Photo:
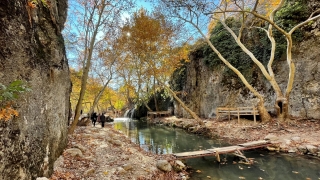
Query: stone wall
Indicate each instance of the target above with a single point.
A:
(206, 89)
(32, 49)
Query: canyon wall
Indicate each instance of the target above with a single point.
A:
(32, 50)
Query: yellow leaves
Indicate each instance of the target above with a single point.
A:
(7, 112)
(230, 8)
(267, 6)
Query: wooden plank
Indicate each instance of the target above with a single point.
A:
(238, 116)
(254, 116)
(254, 143)
(235, 112)
(223, 150)
(193, 153)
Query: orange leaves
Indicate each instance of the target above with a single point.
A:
(8, 94)
(7, 112)
(32, 4)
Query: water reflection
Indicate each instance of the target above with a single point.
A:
(273, 166)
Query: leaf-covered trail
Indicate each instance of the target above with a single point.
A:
(96, 153)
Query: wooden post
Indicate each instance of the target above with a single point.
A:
(218, 156)
(238, 116)
(217, 113)
(254, 114)
(229, 117)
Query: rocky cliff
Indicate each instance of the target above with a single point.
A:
(207, 89)
(32, 50)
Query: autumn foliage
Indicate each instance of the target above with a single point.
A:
(7, 112)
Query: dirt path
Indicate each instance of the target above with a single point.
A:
(96, 153)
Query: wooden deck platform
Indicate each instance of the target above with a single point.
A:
(154, 114)
(237, 112)
(223, 150)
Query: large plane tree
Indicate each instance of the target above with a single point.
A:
(197, 12)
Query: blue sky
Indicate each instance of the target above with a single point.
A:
(146, 5)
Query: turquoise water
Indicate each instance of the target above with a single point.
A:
(269, 166)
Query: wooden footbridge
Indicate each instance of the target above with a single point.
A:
(236, 150)
(154, 114)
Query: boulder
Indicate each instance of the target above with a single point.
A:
(58, 163)
(179, 166)
(271, 137)
(74, 152)
(79, 146)
(164, 165)
(312, 149)
(302, 149)
(89, 172)
(42, 178)
(117, 142)
(120, 170)
(296, 139)
(292, 150)
(127, 167)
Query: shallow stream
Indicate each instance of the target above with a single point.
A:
(268, 165)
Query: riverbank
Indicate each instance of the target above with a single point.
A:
(296, 136)
(106, 154)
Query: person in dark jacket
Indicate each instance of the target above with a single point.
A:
(102, 119)
(94, 118)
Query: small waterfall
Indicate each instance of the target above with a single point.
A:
(129, 113)
(132, 113)
(128, 116)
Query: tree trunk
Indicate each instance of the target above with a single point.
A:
(80, 100)
(281, 107)
(149, 109)
(263, 112)
(193, 114)
(154, 95)
(98, 96)
(88, 58)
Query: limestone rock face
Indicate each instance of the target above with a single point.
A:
(32, 50)
(206, 89)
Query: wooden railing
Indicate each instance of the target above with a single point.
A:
(237, 111)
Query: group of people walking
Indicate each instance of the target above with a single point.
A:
(99, 117)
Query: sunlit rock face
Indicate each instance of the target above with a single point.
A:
(32, 50)
(206, 89)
